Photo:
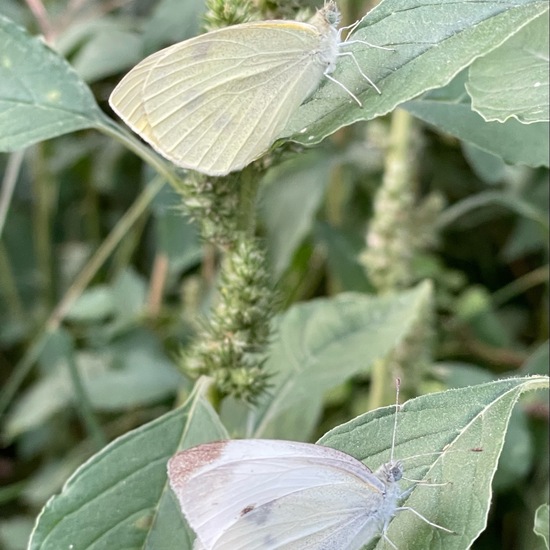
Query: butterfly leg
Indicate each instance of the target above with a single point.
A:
(350, 54)
(431, 523)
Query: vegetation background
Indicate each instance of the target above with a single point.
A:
(413, 243)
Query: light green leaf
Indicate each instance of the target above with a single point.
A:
(486, 166)
(100, 47)
(129, 295)
(177, 236)
(449, 110)
(14, 532)
(456, 437)
(133, 371)
(41, 96)
(92, 305)
(541, 522)
(288, 200)
(137, 374)
(431, 41)
(119, 498)
(321, 344)
(172, 21)
(342, 249)
(493, 198)
(539, 361)
(513, 80)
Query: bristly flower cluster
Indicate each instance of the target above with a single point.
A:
(212, 203)
(221, 13)
(230, 346)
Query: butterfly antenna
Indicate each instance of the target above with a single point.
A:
(397, 386)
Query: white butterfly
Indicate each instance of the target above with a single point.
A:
(259, 494)
(216, 102)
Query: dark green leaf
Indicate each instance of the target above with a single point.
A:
(456, 437)
(41, 96)
(512, 81)
(322, 343)
(432, 42)
(119, 499)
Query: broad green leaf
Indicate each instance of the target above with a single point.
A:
(14, 532)
(41, 96)
(119, 499)
(129, 295)
(172, 21)
(495, 198)
(319, 345)
(176, 235)
(93, 305)
(342, 250)
(486, 166)
(431, 42)
(518, 454)
(519, 451)
(513, 80)
(449, 110)
(289, 199)
(539, 361)
(100, 47)
(16, 11)
(132, 371)
(541, 522)
(453, 438)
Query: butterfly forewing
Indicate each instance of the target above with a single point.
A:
(217, 103)
(127, 97)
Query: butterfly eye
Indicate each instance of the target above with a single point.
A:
(392, 471)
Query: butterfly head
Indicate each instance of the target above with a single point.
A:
(327, 17)
(391, 472)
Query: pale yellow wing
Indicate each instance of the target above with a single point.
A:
(218, 101)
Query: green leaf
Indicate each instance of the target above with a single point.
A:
(177, 236)
(539, 361)
(541, 522)
(342, 249)
(41, 96)
(289, 199)
(514, 203)
(172, 21)
(486, 166)
(319, 345)
(119, 498)
(449, 110)
(133, 371)
(453, 438)
(513, 80)
(93, 305)
(431, 41)
(103, 47)
(14, 532)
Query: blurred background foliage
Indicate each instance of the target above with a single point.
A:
(330, 219)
